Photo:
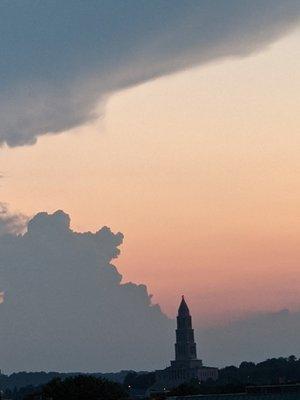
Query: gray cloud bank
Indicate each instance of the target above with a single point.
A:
(65, 307)
(11, 223)
(255, 338)
(59, 59)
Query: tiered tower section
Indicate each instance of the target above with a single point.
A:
(185, 347)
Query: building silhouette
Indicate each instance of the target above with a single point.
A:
(186, 365)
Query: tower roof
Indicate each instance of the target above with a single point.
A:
(183, 308)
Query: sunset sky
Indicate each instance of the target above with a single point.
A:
(199, 170)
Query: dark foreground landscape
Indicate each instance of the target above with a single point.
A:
(266, 379)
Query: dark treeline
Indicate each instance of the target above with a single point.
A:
(21, 379)
(140, 380)
(232, 379)
(272, 371)
(80, 387)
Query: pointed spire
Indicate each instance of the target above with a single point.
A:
(183, 309)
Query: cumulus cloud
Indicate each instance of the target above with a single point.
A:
(11, 223)
(65, 307)
(59, 59)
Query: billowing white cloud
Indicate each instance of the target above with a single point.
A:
(59, 59)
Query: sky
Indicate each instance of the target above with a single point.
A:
(192, 153)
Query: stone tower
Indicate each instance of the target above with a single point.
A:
(185, 347)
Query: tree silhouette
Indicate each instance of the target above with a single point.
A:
(81, 387)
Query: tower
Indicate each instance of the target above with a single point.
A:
(185, 347)
(186, 365)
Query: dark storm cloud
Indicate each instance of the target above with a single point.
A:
(65, 307)
(59, 59)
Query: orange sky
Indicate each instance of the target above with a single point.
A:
(199, 170)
